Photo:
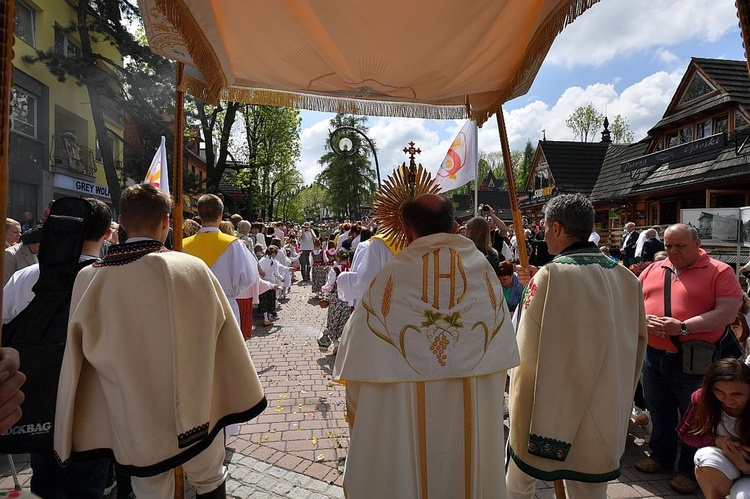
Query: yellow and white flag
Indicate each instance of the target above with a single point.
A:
(158, 174)
(460, 164)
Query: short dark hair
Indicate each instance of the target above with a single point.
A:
(574, 212)
(210, 207)
(426, 217)
(506, 268)
(143, 206)
(101, 220)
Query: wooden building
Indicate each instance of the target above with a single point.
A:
(696, 156)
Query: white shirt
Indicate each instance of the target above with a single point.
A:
(305, 237)
(595, 238)
(236, 269)
(353, 284)
(341, 239)
(17, 293)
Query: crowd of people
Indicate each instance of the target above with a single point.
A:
(424, 391)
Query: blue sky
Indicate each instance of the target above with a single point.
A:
(625, 57)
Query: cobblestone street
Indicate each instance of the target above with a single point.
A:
(297, 447)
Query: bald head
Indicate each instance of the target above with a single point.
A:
(682, 245)
(427, 214)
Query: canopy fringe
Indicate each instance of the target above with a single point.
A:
(201, 53)
(325, 104)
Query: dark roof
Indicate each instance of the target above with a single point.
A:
(575, 166)
(727, 165)
(613, 185)
(732, 79)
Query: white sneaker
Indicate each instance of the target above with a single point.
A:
(648, 427)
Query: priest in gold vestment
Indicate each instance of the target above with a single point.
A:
(424, 359)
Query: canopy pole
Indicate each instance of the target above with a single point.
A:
(7, 13)
(177, 159)
(523, 258)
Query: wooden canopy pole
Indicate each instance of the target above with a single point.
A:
(177, 156)
(523, 258)
(177, 159)
(515, 209)
(7, 13)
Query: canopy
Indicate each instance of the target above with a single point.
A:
(434, 59)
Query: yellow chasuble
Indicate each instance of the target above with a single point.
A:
(208, 246)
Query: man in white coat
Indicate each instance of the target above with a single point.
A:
(582, 338)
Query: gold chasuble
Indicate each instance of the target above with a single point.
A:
(424, 358)
(208, 246)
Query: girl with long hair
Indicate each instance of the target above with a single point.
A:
(718, 423)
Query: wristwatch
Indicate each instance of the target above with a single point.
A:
(683, 329)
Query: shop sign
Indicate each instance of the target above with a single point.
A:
(681, 155)
(82, 186)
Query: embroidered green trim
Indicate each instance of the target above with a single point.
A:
(551, 476)
(548, 448)
(587, 258)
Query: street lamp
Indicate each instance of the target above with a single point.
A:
(344, 147)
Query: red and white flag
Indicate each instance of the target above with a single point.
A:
(158, 174)
(460, 164)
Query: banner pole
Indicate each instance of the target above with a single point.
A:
(515, 209)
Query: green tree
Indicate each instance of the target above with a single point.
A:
(216, 126)
(311, 201)
(585, 122)
(349, 180)
(271, 151)
(524, 168)
(621, 132)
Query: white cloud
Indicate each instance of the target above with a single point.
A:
(614, 29)
(643, 103)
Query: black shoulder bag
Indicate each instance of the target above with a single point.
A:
(39, 332)
(697, 355)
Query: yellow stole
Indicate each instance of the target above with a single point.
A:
(208, 246)
(390, 242)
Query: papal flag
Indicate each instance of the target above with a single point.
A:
(460, 164)
(157, 174)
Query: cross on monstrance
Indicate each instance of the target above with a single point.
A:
(411, 151)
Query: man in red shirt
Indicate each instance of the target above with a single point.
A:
(705, 297)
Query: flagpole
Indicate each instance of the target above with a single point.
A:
(475, 148)
(177, 155)
(515, 209)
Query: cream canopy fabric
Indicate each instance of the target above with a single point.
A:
(409, 58)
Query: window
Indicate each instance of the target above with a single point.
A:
(25, 22)
(23, 116)
(703, 129)
(686, 135)
(740, 121)
(721, 124)
(698, 88)
(65, 45)
(111, 141)
(672, 140)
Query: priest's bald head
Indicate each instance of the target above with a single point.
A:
(427, 214)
